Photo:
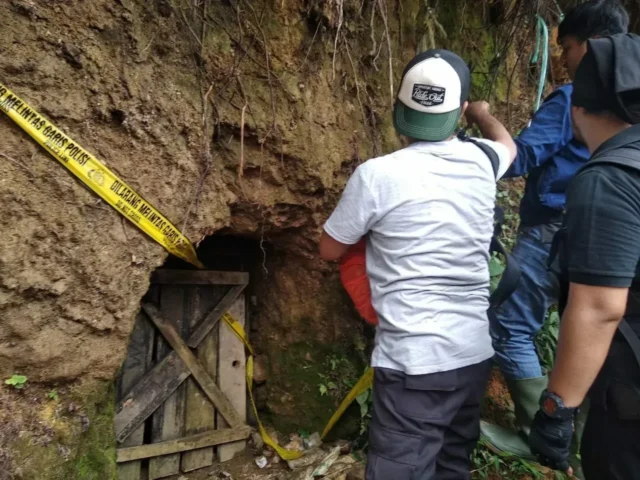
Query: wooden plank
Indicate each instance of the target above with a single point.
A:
(200, 412)
(149, 394)
(137, 362)
(231, 376)
(168, 421)
(202, 377)
(208, 323)
(199, 277)
(169, 447)
(164, 379)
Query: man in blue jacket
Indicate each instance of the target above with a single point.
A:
(550, 154)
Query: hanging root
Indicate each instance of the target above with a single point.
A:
(383, 13)
(340, 5)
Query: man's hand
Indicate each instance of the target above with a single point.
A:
(550, 440)
(477, 113)
(477, 110)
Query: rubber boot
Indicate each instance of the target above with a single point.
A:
(525, 394)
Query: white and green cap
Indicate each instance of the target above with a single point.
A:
(434, 86)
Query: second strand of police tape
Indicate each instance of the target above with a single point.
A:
(365, 382)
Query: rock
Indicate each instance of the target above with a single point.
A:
(262, 462)
(73, 55)
(267, 452)
(260, 369)
(346, 448)
(296, 443)
(273, 434)
(356, 473)
(258, 443)
(309, 458)
(276, 459)
(313, 441)
(322, 469)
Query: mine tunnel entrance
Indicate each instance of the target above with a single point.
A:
(181, 393)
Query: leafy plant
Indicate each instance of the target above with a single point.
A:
(364, 400)
(53, 395)
(488, 465)
(16, 381)
(338, 378)
(547, 340)
(496, 268)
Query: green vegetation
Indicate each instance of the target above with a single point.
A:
(16, 381)
(547, 340)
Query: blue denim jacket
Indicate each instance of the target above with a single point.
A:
(549, 153)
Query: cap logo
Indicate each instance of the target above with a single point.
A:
(428, 95)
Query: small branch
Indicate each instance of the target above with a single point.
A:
(355, 75)
(309, 50)
(124, 228)
(335, 42)
(274, 126)
(244, 108)
(150, 42)
(383, 14)
(373, 32)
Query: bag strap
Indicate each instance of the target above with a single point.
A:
(510, 276)
(616, 158)
(486, 149)
(631, 337)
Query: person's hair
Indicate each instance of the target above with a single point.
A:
(594, 18)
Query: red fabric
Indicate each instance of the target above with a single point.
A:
(353, 274)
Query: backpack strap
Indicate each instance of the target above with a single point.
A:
(511, 274)
(486, 149)
(631, 337)
(619, 158)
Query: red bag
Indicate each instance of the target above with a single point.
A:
(353, 274)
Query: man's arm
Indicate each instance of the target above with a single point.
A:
(603, 227)
(478, 113)
(352, 218)
(549, 132)
(588, 324)
(331, 249)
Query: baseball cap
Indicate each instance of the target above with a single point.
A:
(434, 86)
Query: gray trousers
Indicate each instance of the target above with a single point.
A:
(425, 427)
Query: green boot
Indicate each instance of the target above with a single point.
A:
(526, 396)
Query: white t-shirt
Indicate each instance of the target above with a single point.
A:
(427, 212)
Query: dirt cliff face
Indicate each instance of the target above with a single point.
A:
(239, 117)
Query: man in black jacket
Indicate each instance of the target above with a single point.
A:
(599, 349)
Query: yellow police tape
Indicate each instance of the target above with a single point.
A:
(97, 177)
(365, 382)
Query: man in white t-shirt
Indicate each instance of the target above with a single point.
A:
(427, 214)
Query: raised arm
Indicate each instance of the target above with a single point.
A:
(549, 132)
(477, 113)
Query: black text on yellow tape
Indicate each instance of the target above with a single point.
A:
(97, 177)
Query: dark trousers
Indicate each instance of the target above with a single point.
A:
(425, 427)
(611, 440)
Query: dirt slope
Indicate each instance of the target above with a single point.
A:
(238, 117)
